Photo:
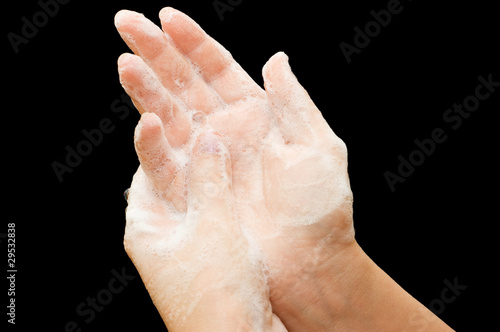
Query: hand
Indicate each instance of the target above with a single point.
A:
(289, 168)
(196, 264)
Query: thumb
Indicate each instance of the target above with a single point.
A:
(297, 116)
(210, 178)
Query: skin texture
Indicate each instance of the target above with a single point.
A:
(282, 206)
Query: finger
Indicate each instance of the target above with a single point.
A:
(172, 69)
(154, 152)
(299, 119)
(143, 87)
(209, 182)
(217, 65)
(149, 95)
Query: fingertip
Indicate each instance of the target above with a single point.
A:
(125, 69)
(149, 130)
(119, 17)
(275, 63)
(122, 59)
(185, 32)
(132, 69)
(152, 122)
(125, 61)
(290, 102)
(150, 118)
(122, 16)
(166, 14)
(280, 56)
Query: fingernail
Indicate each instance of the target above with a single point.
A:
(125, 194)
(199, 117)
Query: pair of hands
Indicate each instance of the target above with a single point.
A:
(241, 209)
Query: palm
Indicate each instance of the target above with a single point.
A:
(289, 169)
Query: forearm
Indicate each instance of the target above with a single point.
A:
(378, 303)
(354, 294)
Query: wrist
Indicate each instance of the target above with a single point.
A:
(324, 292)
(222, 306)
(351, 293)
(220, 312)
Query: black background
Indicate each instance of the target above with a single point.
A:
(439, 224)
